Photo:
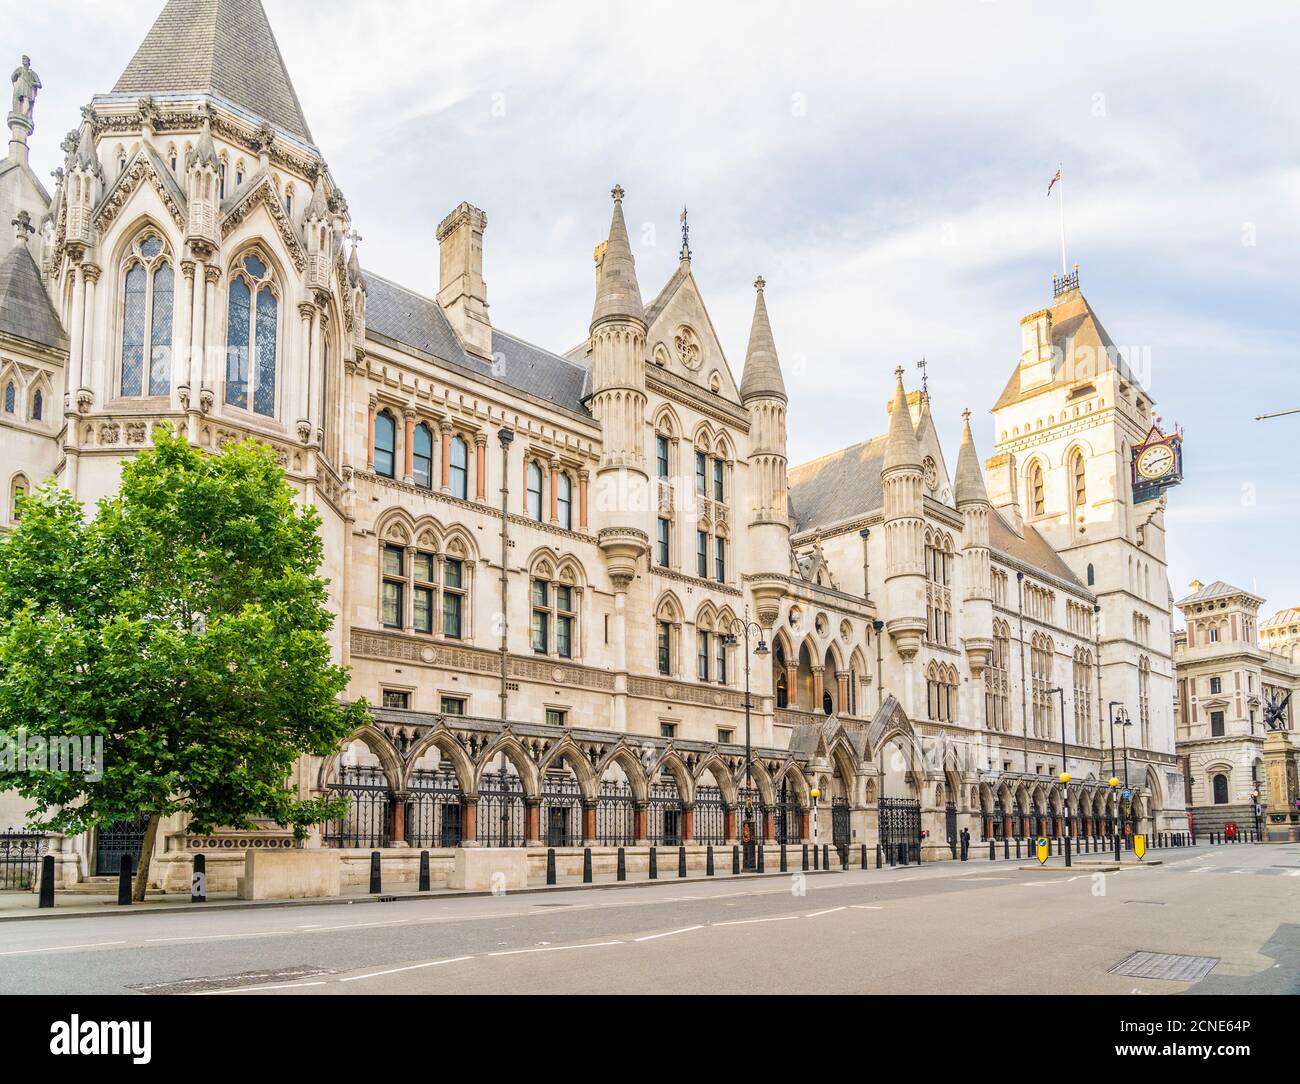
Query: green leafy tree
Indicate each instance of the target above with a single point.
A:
(185, 624)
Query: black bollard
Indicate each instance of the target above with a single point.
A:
(760, 849)
(816, 858)
(805, 858)
(1067, 850)
(783, 865)
(199, 880)
(47, 881)
(878, 855)
(550, 865)
(124, 882)
(864, 856)
(681, 861)
(654, 864)
(1006, 847)
(376, 879)
(586, 865)
(708, 861)
(1049, 847)
(902, 854)
(844, 856)
(424, 871)
(621, 875)
(993, 849)
(1017, 849)
(735, 860)
(826, 856)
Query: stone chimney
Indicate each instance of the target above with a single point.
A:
(1000, 482)
(462, 293)
(1036, 349)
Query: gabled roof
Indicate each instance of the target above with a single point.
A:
(1082, 346)
(1282, 618)
(1216, 590)
(412, 320)
(25, 309)
(220, 47)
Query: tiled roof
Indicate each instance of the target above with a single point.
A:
(219, 47)
(1029, 548)
(1217, 589)
(837, 487)
(25, 309)
(418, 322)
(1282, 618)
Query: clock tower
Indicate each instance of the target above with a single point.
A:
(1079, 460)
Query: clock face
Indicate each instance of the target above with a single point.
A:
(1156, 461)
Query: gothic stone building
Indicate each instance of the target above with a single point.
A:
(1229, 664)
(543, 564)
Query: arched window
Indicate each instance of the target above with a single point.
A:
(1092, 576)
(252, 332)
(1036, 499)
(779, 677)
(1220, 789)
(534, 491)
(458, 471)
(17, 490)
(564, 501)
(385, 443)
(147, 291)
(11, 398)
(38, 405)
(421, 455)
(1079, 483)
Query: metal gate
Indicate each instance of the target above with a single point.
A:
(710, 818)
(112, 841)
(433, 808)
(789, 823)
(562, 810)
(502, 819)
(369, 817)
(665, 814)
(615, 814)
(840, 825)
(900, 827)
(20, 856)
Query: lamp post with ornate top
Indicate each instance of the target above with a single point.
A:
(741, 629)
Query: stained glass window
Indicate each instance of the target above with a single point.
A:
(264, 392)
(160, 339)
(11, 398)
(252, 334)
(133, 329)
(38, 406)
(237, 343)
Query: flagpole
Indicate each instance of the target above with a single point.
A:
(1060, 185)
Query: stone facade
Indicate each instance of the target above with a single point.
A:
(1229, 665)
(547, 568)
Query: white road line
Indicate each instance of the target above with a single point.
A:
(408, 967)
(828, 911)
(667, 933)
(865, 907)
(1291, 873)
(218, 936)
(1053, 881)
(255, 989)
(60, 948)
(363, 925)
(748, 921)
(554, 948)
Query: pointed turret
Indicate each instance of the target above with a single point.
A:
(85, 180)
(203, 192)
(762, 376)
(318, 233)
(901, 448)
(969, 487)
(618, 296)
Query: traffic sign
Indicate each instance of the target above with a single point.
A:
(1040, 847)
(1140, 845)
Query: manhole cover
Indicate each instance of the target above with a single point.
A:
(230, 982)
(1165, 965)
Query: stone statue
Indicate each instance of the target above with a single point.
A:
(1275, 711)
(26, 83)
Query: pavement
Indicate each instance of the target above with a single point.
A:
(975, 927)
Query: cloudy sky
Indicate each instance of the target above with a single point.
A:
(882, 165)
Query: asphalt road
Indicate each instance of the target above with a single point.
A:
(978, 927)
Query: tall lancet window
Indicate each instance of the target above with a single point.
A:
(148, 287)
(1078, 483)
(252, 337)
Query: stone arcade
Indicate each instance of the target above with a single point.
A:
(196, 265)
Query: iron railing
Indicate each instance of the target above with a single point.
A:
(20, 857)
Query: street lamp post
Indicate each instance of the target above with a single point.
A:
(741, 628)
(1064, 776)
(1114, 778)
(1254, 805)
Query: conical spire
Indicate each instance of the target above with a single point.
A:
(617, 292)
(970, 479)
(318, 208)
(205, 151)
(901, 449)
(86, 158)
(223, 48)
(762, 377)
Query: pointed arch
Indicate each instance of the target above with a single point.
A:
(721, 775)
(508, 745)
(452, 751)
(628, 758)
(671, 761)
(576, 761)
(790, 772)
(377, 742)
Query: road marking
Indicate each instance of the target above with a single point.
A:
(218, 936)
(865, 907)
(60, 948)
(667, 933)
(828, 911)
(554, 948)
(408, 967)
(1053, 881)
(1291, 873)
(363, 925)
(254, 989)
(748, 921)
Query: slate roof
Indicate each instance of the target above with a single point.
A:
(1083, 348)
(1282, 618)
(25, 309)
(418, 322)
(1216, 590)
(219, 47)
(846, 483)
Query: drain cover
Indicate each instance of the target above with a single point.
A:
(1165, 965)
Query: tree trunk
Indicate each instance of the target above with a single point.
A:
(146, 853)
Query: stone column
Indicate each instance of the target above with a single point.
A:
(398, 837)
(729, 823)
(641, 826)
(316, 374)
(180, 329)
(480, 466)
(307, 318)
(819, 687)
(588, 822)
(582, 499)
(469, 822)
(555, 485)
(533, 822)
(77, 319)
(198, 310)
(842, 700)
(90, 273)
(803, 824)
(409, 457)
(688, 822)
(370, 432)
(445, 426)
